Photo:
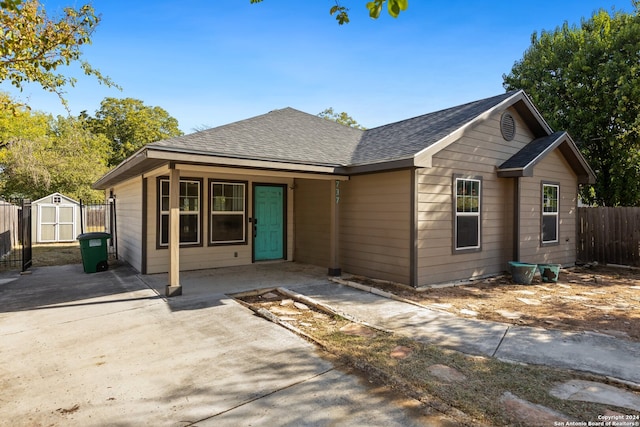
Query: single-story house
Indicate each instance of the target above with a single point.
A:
(55, 218)
(447, 196)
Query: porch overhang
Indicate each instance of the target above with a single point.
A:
(150, 158)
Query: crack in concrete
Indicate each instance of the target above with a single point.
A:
(501, 340)
(246, 402)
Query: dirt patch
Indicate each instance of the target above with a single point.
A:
(294, 313)
(66, 411)
(600, 299)
(56, 254)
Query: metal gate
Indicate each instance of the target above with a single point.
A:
(15, 234)
(101, 217)
(26, 235)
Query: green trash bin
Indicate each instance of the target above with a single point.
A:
(93, 248)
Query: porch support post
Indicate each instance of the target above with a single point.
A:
(174, 288)
(413, 228)
(334, 226)
(516, 218)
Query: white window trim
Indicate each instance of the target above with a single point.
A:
(242, 213)
(468, 214)
(163, 213)
(556, 213)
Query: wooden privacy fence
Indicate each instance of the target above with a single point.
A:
(9, 227)
(609, 235)
(15, 234)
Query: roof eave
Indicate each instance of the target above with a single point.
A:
(387, 165)
(231, 157)
(515, 172)
(584, 178)
(152, 157)
(56, 193)
(531, 115)
(519, 100)
(579, 164)
(186, 156)
(569, 151)
(127, 169)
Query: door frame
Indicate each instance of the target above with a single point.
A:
(285, 223)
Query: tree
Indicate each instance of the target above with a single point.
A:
(81, 159)
(586, 80)
(34, 46)
(394, 7)
(342, 118)
(41, 155)
(20, 132)
(18, 121)
(129, 125)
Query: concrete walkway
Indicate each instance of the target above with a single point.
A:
(582, 351)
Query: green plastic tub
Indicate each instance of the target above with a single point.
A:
(522, 272)
(549, 272)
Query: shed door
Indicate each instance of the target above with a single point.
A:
(268, 222)
(57, 223)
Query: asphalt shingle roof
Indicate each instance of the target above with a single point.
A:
(405, 138)
(531, 151)
(286, 135)
(289, 135)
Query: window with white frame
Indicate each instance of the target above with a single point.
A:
(550, 211)
(467, 213)
(228, 213)
(189, 211)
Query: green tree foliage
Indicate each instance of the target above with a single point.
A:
(82, 158)
(342, 118)
(34, 46)
(41, 155)
(394, 7)
(129, 125)
(586, 79)
(17, 121)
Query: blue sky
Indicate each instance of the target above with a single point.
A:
(211, 62)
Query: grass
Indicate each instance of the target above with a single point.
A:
(56, 254)
(44, 255)
(478, 395)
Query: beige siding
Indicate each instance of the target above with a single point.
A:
(203, 257)
(312, 221)
(552, 169)
(375, 225)
(129, 221)
(476, 154)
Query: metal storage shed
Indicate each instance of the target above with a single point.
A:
(56, 218)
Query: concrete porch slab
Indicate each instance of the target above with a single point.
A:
(230, 280)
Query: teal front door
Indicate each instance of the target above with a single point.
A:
(268, 222)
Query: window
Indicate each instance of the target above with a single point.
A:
(227, 212)
(189, 211)
(467, 213)
(550, 213)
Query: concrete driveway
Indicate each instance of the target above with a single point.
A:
(106, 349)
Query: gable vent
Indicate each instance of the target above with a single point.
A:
(508, 126)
